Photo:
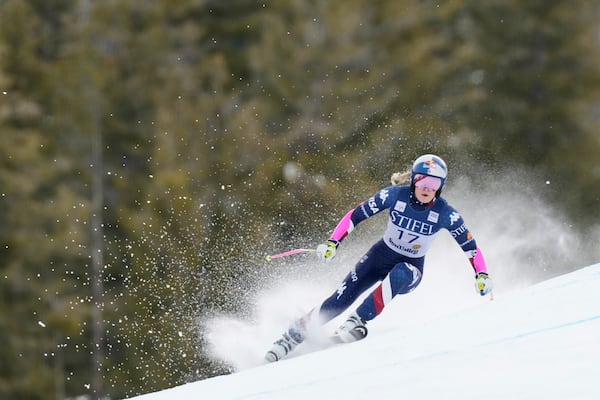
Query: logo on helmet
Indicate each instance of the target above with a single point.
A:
(432, 166)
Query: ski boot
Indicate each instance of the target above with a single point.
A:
(288, 342)
(352, 330)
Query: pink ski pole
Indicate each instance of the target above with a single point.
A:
(289, 253)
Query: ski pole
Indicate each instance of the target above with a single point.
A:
(289, 253)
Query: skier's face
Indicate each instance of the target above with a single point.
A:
(424, 194)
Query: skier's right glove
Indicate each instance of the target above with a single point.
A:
(326, 252)
(483, 283)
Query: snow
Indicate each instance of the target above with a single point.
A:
(535, 342)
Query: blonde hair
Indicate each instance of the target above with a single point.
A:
(400, 178)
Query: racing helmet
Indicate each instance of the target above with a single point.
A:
(429, 165)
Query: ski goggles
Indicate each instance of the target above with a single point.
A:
(427, 182)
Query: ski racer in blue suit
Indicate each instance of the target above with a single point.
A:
(416, 214)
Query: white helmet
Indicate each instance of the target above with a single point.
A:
(430, 165)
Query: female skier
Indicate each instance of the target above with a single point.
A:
(416, 214)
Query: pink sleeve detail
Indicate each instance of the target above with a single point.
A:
(343, 228)
(479, 262)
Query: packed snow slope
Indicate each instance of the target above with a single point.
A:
(538, 342)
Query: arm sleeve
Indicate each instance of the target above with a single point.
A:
(343, 228)
(478, 261)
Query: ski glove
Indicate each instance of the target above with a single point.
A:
(326, 252)
(483, 283)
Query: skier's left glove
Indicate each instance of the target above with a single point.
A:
(483, 283)
(326, 251)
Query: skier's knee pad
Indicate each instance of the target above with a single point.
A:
(404, 277)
